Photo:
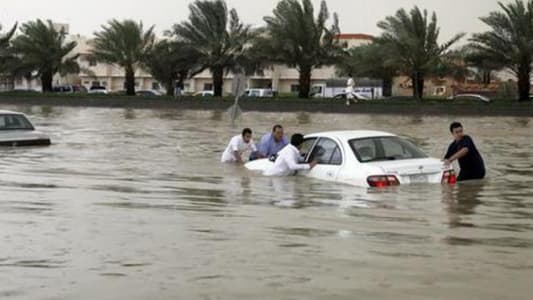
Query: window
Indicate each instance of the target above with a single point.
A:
(385, 148)
(327, 152)
(208, 86)
(95, 83)
(155, 86)
(86, 82)
(14, 122)
(104, 83)
(307, 146)
(295, 88)
(136, 84)
(92, 62)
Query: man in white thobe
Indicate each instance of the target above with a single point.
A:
(349, 90)
(288, 161)
(238, 146)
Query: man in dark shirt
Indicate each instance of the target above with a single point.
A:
(464, 150)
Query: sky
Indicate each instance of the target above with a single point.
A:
(356, 16)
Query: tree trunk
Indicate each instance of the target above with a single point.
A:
(418, 85)
(305, 82)
(130, 81)
(218, 81)
(487, 74)
(387, 87)
(524, 83)
(46, 81)
(170, 86)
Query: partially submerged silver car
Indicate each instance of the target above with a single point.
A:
(17, 131)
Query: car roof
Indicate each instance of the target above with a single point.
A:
(8, 112)
(351, 134)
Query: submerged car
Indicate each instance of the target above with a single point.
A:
(16, 130)
(367, 159)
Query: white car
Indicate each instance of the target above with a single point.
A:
(470, 96)
(357, 96)
(17, 130)
(259, 93)
(98, 90)
(148, 93)
(204, 94)
(367, 159)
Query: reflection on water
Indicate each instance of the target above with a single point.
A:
(135, 203)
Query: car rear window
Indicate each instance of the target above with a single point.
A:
(14, 122)
(384, 149)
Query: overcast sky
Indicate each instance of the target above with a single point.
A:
(356, 16)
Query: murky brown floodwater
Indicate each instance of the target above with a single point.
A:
(133, 204)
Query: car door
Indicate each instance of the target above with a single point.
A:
(328, 154)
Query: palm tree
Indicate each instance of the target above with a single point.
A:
(125, 44)
(510, 41)
(5, 39)
(42, 50)
(169, 61)
(4, 49)
(411, 40)
(294, 37)
(217, 35)
(369, 61)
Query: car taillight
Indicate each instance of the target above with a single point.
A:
(382, 181)
(449, 177)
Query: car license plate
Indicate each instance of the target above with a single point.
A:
(419, 178)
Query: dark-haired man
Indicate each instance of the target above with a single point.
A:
(272, 143)
(237, 146)
(465, 151)
(288, 161)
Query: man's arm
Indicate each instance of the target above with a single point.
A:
(295, 166)
(464, 146)
(460, 154)
(238, 157)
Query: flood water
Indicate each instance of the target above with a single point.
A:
(133, 204)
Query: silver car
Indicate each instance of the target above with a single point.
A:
(16, 130)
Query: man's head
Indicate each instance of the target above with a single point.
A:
(247, 135)
(456, 129)
(277, 133)
(297, 140)
(350, 75)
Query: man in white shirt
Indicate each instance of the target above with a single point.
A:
(238, 146)
(349, 90)
(288, 161)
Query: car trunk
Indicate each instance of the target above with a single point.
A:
(413, 170)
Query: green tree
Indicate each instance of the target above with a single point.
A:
(293, 36)
(5, 56)
(218, 36)
(125, 44)
(43, 51)
(4, 41)
(369, 61)
(411, 40)
(170, 62)
(510, 41)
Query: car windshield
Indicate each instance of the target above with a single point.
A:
(14, 122)
(384, 149)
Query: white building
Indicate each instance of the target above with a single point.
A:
(278, 77)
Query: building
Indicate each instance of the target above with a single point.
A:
(281, 78)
